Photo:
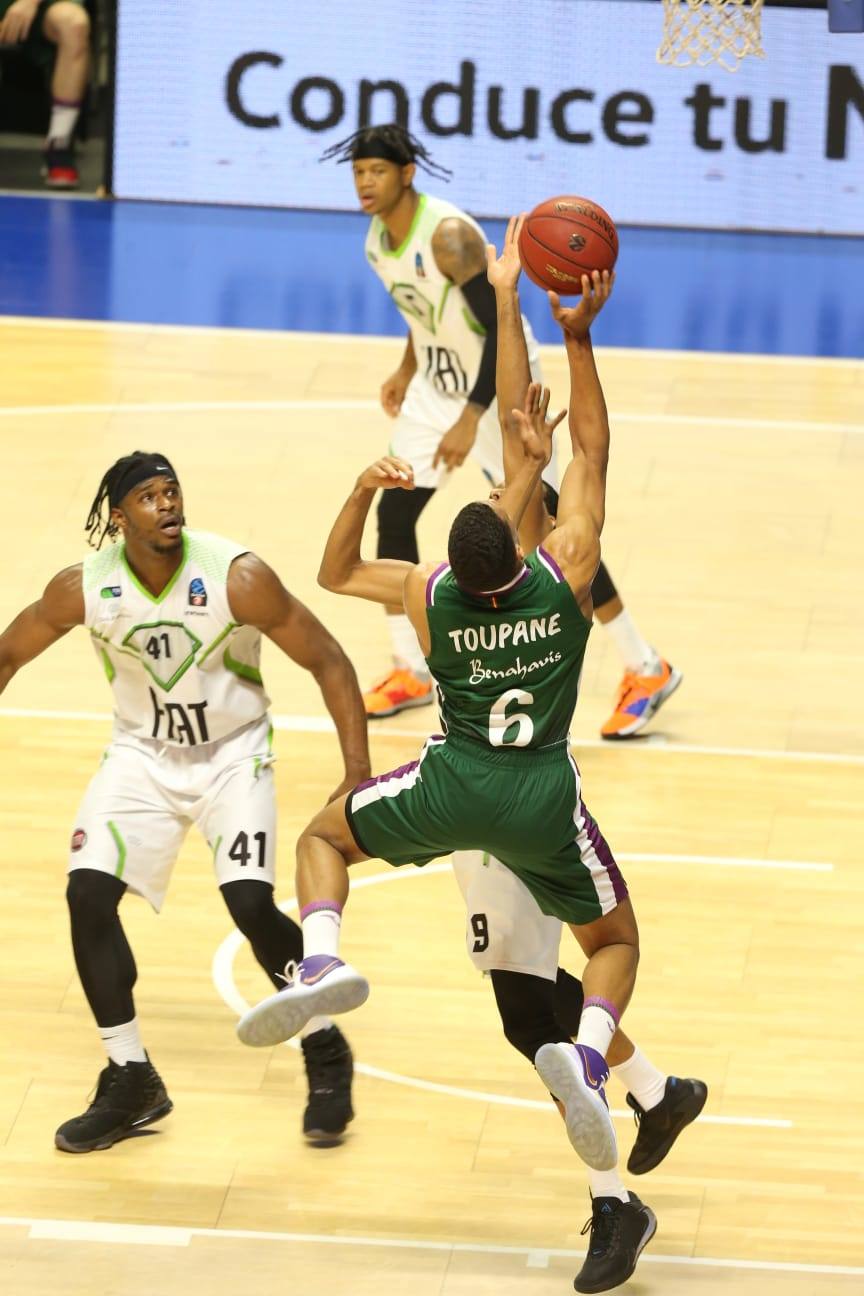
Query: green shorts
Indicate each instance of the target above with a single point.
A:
(37, 47)
(523, 807)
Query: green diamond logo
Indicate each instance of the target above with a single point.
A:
(166, 650)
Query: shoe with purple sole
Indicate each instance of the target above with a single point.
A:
(321, 986)
(575, 1075)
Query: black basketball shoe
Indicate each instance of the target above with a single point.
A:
(126, 1098)
(619, 1232)
(329, 1070)
(659, 1128)
(59, 168)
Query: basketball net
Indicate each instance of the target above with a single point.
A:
(710, 31)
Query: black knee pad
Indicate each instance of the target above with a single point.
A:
(569, 998)
(603, 587)
(250, 904)
(398, 511)
(527, 1008)
(93, 897)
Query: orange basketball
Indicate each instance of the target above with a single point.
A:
(564, 238)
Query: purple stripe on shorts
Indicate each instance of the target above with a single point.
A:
(397, 773)
(317, 906)
(605, 856)
(431, 581)
(547, 557)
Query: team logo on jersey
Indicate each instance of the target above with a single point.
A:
(419, 267)
(110, 591)
(197, 593)
(576, 242)
(79, 837)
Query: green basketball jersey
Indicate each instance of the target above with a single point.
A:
(507, 665)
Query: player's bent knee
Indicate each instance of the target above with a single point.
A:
(526, 1005)
(250, 903)
(67, 24)
(331, 826)
(93, 897)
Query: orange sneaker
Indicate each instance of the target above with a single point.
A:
(396, 692)
(639, 698)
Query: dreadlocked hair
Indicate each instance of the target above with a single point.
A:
(98, 527)
(399, 146)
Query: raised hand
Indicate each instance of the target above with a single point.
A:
(503, 271)
(576, 321)
(387, 472)
(536, 431)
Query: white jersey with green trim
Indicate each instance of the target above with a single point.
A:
(448, 340)
(182, 670)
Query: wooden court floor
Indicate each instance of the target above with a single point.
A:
(735, 533)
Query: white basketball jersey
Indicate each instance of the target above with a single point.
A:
(182, 670)
(448, 340)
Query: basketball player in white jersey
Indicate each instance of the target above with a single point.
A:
(176, 618)
(431, 258)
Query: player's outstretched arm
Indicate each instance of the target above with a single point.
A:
(582, 504)
(42, 623)
(536, 432)
(513, 372)
(257, 597)
(589, 422)
(343, 570)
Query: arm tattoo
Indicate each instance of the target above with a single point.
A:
(459, 250)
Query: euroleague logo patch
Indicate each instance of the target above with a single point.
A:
(197, 593)
(79, 837)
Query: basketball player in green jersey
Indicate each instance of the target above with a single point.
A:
(504, 637)
(512, 942)
(431, 258)
(176, 618)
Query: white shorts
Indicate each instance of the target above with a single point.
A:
(141, 801)
(427, 414)
(505, 929)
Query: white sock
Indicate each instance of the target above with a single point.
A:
(123, 1043)
(321, 922)
(636, 652)
(642, 1079)
(607, 1183)
(597, 1025)
(314, 1025)
(63, 118)
(407, 654)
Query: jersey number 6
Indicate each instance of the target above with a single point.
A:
(500, 723)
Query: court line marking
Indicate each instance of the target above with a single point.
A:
(323, 724)
(222, 972)
(374, 339)
(535, 1257)
(311, 403)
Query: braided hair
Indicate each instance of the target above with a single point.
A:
(394, 143)
(120, 478)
